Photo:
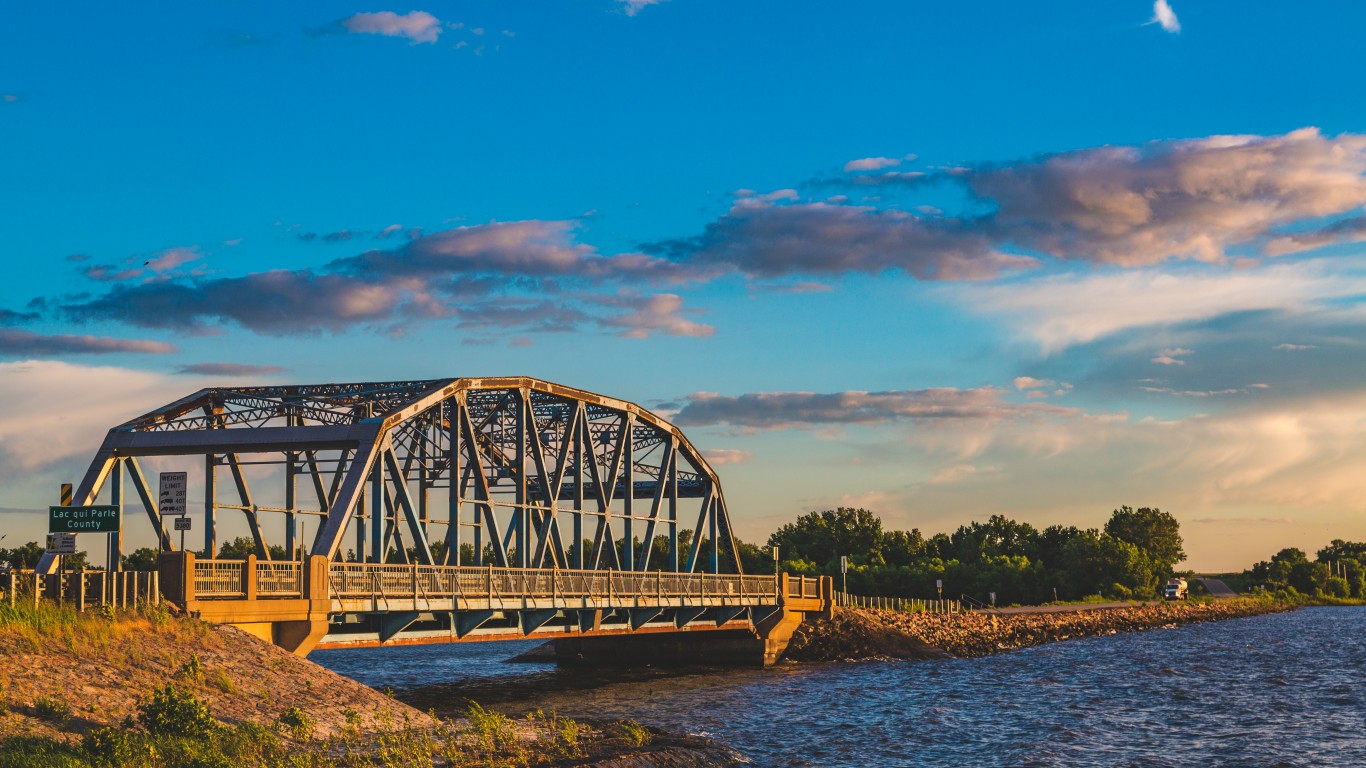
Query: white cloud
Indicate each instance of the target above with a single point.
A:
(1165, 16)
(418, 26)
(718, 456)
(632, 7)
(1294, 347)
(1062, 310)
(49, 419)
(1172, 356)
(871, 164)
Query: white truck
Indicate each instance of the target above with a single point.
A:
(1176, 589)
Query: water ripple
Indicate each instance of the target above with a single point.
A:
(1270, 691)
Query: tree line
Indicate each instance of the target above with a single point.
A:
(1131, 556)
(1336, 572)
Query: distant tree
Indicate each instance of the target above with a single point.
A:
(1156, 533)
(1338, 549)
(901, 548)
(23, 556)
(141, 559)
(823, 537)
(240, 547)
(28, 555)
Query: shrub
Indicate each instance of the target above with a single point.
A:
(221, 680)
(299, 723)
(635, 734)
(52, 709)
(193, 669)
(1336, 586)
(116, 746)
(171, 711)
(491, 729)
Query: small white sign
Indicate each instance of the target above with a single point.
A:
(182, 523)
(844, 564)
(938, 583)
(171, 501)
(61, 543)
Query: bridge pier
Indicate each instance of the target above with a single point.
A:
(760, 646)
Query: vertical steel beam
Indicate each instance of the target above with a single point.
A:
(673, 509)
(521, 519)
(453, 469)
(114, 557)
(210, 504)
(581, 420)
(715, 543)
(360, 523)
(628, 541)
(291, 524)
(378, 541)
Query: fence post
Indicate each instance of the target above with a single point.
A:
(155, 588)
(80, 597)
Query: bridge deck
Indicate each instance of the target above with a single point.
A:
(372, 603)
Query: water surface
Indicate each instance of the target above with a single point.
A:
(1281, 690)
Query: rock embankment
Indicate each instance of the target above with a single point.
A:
(862, 634)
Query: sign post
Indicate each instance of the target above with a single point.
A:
(844, 574)
(171, 501)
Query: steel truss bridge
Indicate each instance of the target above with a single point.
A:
(444, 509)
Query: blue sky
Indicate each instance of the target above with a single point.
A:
(941, 260)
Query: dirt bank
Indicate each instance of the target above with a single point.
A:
(861, 634)
(65, 676)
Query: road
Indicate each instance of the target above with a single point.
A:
(1074, 608)
(1217, 588)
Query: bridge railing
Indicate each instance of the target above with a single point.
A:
(220, 578)
(284, 579)
(360, 580)
(805, 587)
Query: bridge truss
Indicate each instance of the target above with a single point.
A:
(506, 472)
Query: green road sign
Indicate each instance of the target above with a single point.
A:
(99, 518)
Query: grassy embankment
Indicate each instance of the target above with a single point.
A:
(143, 689)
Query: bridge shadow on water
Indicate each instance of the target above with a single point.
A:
(446, 677)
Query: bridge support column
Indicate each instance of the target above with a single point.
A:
(299, 637)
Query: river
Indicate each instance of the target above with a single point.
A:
(1281, 690)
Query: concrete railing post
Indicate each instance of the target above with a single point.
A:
(783, 581)
(249, 582)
